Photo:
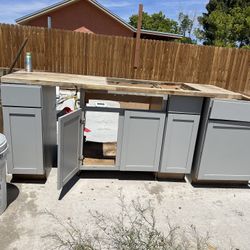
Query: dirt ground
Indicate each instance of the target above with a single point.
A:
(223, 212)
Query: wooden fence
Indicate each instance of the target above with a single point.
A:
(80, 53)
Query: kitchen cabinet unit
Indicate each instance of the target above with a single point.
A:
(160, 128)
(180, 134)
(224, 141)
(29, 114)
(142, 139)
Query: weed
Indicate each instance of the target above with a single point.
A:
(134, 228)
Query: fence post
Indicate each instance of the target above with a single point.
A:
(138, 37)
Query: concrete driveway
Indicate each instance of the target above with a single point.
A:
(223, 212)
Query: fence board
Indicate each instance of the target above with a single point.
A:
(81, 53)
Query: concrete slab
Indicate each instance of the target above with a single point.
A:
(223, 212)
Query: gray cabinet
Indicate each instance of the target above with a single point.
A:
(224, 141)
(29, 114)
(179, 143)
(181, 129)
(142, 140)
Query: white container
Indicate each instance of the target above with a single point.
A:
(3, 186)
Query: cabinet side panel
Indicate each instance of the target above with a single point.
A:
(120, 139)
(201, 137)
(7, 133)
(49, 127)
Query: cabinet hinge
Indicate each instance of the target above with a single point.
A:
(82, 121)
(81, 158)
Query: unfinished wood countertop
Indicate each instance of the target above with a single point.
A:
(128, 86)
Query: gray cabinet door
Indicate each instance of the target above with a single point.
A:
(23, 129)
(142, 140)
(179, 143)
(226, 152)
(69, 146)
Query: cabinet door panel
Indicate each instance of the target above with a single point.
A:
(23, 128)
(225, 154)
(179, 143)
(69, 146)
(142, 139)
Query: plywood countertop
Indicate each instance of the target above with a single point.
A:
(96, 83)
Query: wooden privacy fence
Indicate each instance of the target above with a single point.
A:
(81, 53)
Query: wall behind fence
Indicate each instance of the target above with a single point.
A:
(81, 53)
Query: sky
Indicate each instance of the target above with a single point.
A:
(13, 9)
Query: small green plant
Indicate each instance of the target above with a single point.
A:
(134, 228)
(71, 237)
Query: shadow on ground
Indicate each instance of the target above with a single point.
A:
(222, 185)
(67, 187)
(141, 176)
(105, 175)
(135, 176)
(12, 193)
(31, 179)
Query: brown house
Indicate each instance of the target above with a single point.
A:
(87, 16)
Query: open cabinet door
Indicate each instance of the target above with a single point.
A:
(69, 146)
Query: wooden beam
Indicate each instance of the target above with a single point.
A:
(18, 55)
(118, 98)
(138, 37)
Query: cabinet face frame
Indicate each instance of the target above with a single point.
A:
(119, 139)
(158, 102)
(35, 139)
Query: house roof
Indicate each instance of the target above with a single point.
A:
(64, 3)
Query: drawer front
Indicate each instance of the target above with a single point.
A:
(185, 104)
(179, 143)
(225, 154)
(230, 110)
(21, 95)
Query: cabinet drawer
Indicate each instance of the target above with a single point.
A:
(21, 95)
(185, 104)
(230, 110)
